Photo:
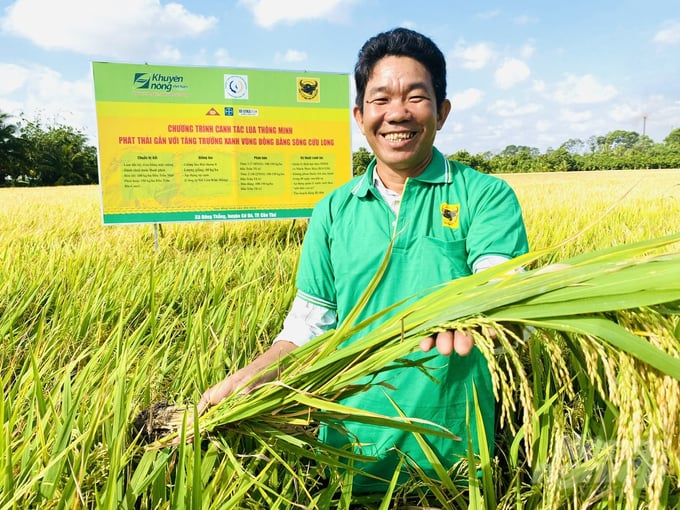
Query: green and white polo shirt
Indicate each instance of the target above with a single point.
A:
(450, 217)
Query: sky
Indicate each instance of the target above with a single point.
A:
(532, 73)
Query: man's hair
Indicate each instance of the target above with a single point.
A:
(400, 42)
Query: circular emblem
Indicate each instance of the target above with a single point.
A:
(235, 86)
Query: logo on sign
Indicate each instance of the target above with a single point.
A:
(158, 81)
(308, 90)
(236, 86)
(141, 80)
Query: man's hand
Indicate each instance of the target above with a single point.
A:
(243, 380)
(212, 396)
(449, 341)
(453, 340)
(215, 394)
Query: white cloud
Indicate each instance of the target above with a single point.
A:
(466, 99)
(511, 72)
(268, 13)
(13, 78)
(527, 51)
(223, 58)
(458, 127)
(292, 56)
(169, 53)
(625, 113)
(511, 124)
(654, 115)
(524, 20)
(538, 86)
(568, 115)
(584, 128)
(668, 35)
(583, 90)
(47, 96)
(489, 14)
(121, 28)
(510, 108)
(543, 125)
(475, 56)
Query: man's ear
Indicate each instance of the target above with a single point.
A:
(442, 113)
(358, 117)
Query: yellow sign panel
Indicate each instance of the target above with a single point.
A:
(201, 144)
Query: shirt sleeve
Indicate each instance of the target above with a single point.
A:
(487, 262)
(306, 321)
(315, 277)
(497, 227)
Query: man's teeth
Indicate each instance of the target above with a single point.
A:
(396, 137)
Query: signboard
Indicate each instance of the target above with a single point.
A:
(183, 144)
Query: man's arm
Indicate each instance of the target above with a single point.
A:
(244, 380)
(304, 322)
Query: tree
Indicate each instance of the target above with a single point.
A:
(10, 151)
(673, 139)
(477, 161)
(59, 155)
(360, 160)
(618, 141)
(523, 150)
(515, 159)
(573, 145)
(462, 156)
(561, 160)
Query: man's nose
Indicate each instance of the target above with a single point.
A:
(397, 111)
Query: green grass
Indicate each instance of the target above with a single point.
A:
(95, 325)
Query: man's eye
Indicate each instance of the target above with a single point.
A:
(377, 100)
(417, 99)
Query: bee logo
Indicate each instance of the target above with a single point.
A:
(308, 90)
(450, 215)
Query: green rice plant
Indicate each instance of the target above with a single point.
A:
(96, 324)
(571, 297)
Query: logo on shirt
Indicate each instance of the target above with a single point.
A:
(449, 214)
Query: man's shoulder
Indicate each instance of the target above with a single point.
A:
(332, 204)
(473, 177)
(344, 191)
(469, 172)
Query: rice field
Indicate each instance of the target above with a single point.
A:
(97, 324)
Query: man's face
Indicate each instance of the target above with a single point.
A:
(400, 116)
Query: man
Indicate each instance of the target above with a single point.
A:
(447, 221)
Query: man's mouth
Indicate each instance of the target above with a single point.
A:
(398, 137)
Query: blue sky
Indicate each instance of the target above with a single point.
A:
(530, 73)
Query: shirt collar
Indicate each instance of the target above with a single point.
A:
(438, 171)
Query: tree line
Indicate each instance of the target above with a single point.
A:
(35, 155)
(617, 150)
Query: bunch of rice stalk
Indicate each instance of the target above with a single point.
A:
(573, 296)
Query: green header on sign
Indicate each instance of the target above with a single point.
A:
(199, 85)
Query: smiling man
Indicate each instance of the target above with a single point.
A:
(446, 220)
